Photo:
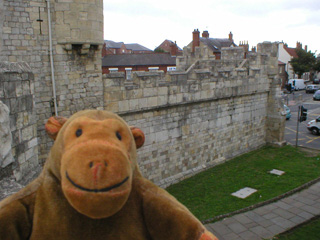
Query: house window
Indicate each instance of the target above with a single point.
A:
(171, 69)
(113, 70)
(152, 69)
(128, 73)
(280, 70)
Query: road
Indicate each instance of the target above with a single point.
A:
(305, 138)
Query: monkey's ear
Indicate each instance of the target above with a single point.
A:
(138, 136)
(53, 126)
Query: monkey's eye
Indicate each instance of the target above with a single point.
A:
(118, 136)
(79, 132)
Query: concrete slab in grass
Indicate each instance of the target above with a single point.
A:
(244, 192)
(277, 172)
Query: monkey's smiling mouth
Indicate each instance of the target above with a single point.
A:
(96, 190)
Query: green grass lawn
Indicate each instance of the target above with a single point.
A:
(308, 231)
(208, 194)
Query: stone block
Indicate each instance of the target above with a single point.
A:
(134, 104)
(152, 101)
(63, 31)
(123, 106)
(9, 89)
(27, 133)
(62, 6)
(162, 100)
(33, 142)
(150, 92)
(75, 33)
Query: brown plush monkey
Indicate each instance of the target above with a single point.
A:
(91, 188)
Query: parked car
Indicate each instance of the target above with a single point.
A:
(288, 112)
(314, 126)
(316, 81)
(312, 88)
(316, 95)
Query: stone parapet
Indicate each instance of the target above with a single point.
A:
(207, 80)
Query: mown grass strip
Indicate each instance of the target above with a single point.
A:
(208, 194)
(308, 230)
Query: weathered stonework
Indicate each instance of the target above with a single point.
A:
(210, 111)
(5, 137)
(17, 93)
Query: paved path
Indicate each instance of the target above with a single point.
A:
(269, 220)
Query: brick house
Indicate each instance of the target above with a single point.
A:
(138, 62)
(213, 44)
(111, 47)
(170, 47)
(282, 74)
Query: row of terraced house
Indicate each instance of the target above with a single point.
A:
(121, 57)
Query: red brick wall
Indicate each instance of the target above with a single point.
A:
(105, 70)
(195, 39)
(165, 46)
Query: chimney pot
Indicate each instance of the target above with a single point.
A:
(205, 34)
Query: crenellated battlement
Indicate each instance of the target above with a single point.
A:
(204, 80)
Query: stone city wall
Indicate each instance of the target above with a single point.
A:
(18, 128)
(194, 119)
(207, 112)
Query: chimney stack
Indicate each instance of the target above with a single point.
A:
(299, 45)
(195, 39)
(245, 45)
(306, 48)
(173, 49)
(231, 36)
(205, 34)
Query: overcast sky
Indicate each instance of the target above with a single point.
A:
(150, 22)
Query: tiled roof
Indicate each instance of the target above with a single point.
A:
(281, 63)
(112, 44)
(291, 51)
(168, 47)
(130, 46)
(215, 44)
(144, 59)
(136, 47)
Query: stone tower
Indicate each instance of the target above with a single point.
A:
(61, 41)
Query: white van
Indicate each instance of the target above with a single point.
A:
(297, 84)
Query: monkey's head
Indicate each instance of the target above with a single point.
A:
(94, 157)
